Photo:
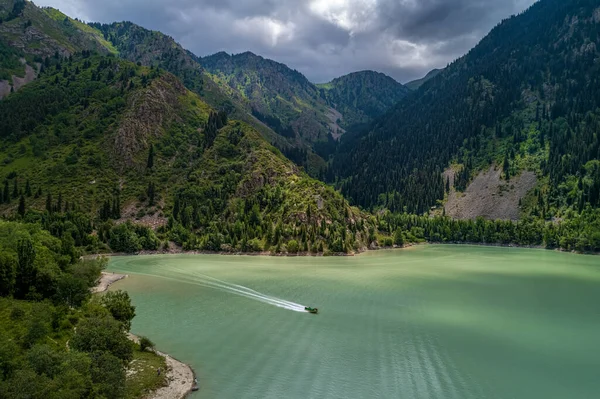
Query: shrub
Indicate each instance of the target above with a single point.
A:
(292, 246)
(145, 343)
(17, 313)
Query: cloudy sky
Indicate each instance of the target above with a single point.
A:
(321, 38)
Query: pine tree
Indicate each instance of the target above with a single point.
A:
(15, 192)
(150, 157)
(21, 206)
(150, 193)
(506, 168)
(116, 208)
(6, 194)
(49, 203)
(27, 189)
(59, 203)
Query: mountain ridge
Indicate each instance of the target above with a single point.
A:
(492, 106)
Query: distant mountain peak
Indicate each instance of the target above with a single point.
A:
(415, 84)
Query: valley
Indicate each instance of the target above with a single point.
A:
(116, 139)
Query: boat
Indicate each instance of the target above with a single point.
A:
(311, 310)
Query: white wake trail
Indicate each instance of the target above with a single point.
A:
(246, 292)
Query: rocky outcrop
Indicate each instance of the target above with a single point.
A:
(148, 113)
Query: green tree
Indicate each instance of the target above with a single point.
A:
(146, 343)
(45, 360)
(8, 271)
(399, 237)
(59, 203)
(6, 194)
(27, 189)
(119, 305)
(104, 334)
(72, 290)
(9, 357)
(21, 208)
(506, 168)
(26, 270)
(49, 203)
(122, 238)
(150, 163)
(292, 246)
(151, 193)
(108, 375)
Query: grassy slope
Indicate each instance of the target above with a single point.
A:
(35, 33)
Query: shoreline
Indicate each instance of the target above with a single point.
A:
(180, 376)
(240, 253)
(315, 255)
(106, 280)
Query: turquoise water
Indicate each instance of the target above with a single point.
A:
(430, 322)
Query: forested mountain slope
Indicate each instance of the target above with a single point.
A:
(525, 98)
(288, 110)
(415, 84)
(106, 138)
(280, 97)
(28, 34)
(152, 48)
(362, 96)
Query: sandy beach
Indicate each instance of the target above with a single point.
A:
(106, 280)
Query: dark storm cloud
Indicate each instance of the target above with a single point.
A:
(321, 38)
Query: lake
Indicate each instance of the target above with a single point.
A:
(434, 321)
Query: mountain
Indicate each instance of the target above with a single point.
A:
(524, 99)
(137, 44)
(28, 34)
(280, 103)
(280, 97)
(415, 84)
(362, 96)
(152, 48)
(102, 136)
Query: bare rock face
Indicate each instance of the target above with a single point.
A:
(18, 82)
(30, 75)
(148, 112)
(489, 196)
(4, 88)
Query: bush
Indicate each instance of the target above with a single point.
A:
(145, 343)
(254, 245)
(292, 246)
(16, 313)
